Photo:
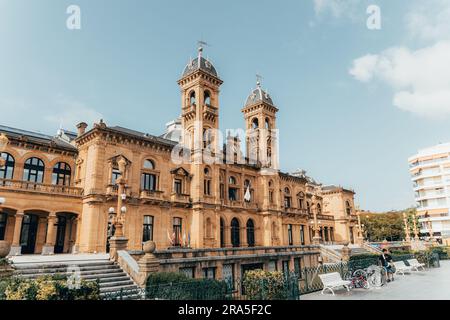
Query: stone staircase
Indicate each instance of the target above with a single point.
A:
(333, 253)
(114, 282)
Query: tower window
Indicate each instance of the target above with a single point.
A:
(267, 124)
(192, 99)
(255, 123)
(207, 98)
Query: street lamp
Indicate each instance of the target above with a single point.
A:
(3, 143)
(119, 219)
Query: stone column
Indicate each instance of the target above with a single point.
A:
(16, 249)
(49, 247)
(346, 252)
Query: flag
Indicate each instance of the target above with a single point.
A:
(169, 237)
(247, 196)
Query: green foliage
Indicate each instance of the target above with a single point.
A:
(364, 256)
(4, 262)
(441, 251)
(47, 288)
(177, 286)
(264, 285)
(389, 225)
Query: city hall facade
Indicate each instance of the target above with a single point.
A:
(60, 192)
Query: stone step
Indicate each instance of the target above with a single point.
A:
(113, 281)
(116, 283)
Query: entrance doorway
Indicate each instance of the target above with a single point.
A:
(28, 233)
(60, 234)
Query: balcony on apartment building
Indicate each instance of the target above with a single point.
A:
(27, 186)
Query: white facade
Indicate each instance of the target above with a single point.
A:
(430, 174)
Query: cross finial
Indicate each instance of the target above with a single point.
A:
(258, 80)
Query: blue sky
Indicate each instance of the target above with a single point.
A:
(354, 103)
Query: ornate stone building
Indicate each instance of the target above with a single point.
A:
(61, 193)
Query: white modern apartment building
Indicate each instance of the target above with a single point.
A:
(430, 173)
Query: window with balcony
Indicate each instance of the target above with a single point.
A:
(233, 191)
(302, 235)
(7, 171)
(34, 170)
(178, 186)
(116, 174)
(287, 197)
(147, 234)
(177, 229)
(290, 236)
(61, 174)
(348, 208)
(148, 182)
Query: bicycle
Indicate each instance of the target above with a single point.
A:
(358, 279)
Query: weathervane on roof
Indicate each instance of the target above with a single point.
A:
(258, 80)
(201, 44)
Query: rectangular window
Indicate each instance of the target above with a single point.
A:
(115, 175)
(272, 266)
(178, 186)
(298, 267)
(207, 187)
(3, 220)
(228, 275)
(300, 203)
(290, 238)
(177, 228)
(302, 235)
(147, 234)
(286, 267)
(209, 273)
(148, 182)
(232, 194)
(271, 196)
(287, 202)
(188, 272)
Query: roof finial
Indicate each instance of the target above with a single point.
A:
(201, 44)
(258, 80)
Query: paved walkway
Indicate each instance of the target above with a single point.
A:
(37, 258)
(432, 284)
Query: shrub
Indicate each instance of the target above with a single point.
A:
(264, 285)
(48, 288)
(363, 256)
(4, 262)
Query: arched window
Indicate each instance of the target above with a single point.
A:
(255, 123)
(267, 124)
(308, 206)
(348, 208)
(33, 170)
(192, 98)
(148, 179)
(7, 172)
(207, 98)
(250, 233)
(149, 164)
(235, 237)
(207, 182)
(287, 197)
(61, 174)
(319, 209)
(222, 233)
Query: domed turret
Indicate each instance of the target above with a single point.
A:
(199, 63)
(258, 95)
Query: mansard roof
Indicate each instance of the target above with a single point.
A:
(37, 138)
